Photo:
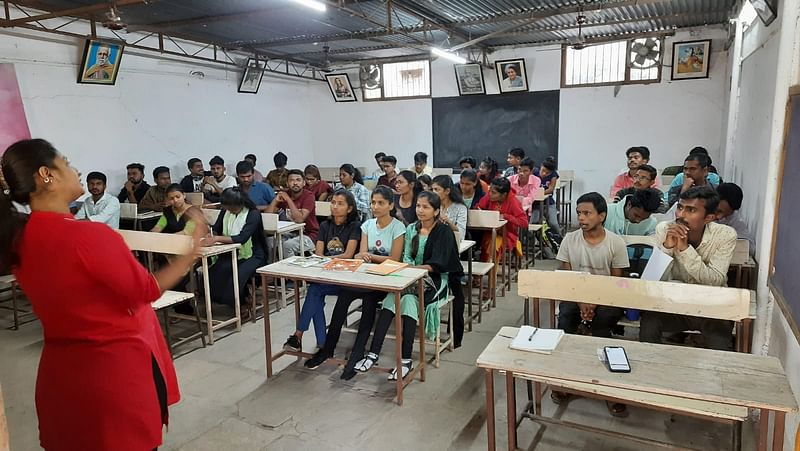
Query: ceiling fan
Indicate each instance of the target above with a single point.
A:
(579, 42)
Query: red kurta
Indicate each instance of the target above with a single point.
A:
(510, 210)
(95, 389)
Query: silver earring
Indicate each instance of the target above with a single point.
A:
(48, 180)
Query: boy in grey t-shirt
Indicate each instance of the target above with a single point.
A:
(595, 250)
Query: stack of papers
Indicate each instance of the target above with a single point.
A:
(536, 339)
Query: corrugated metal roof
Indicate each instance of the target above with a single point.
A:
(360, 29)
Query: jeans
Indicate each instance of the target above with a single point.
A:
(717, 333)
(569, 317)
(291, 246)
(550, 213)
(369, 306)
(314, 309)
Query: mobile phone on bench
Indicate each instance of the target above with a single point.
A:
(617, 359)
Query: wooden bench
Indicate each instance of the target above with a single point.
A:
(481, 270)
(170, 244)
(172, 298)
(668, 297)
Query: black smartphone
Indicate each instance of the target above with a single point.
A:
(617, 359)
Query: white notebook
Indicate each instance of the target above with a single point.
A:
(536, 339)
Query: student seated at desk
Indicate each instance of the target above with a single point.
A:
(695, 173)
(350, 179)
(174, 218)
(424, 182)
(135, 187)
(549, 177)
(389, 177)
(472, 164)
(471, 188)
(299, 206)
(405, 201)
(500, 199)
(338, 237)
(488, 170)
(595, 250)
(701, 250)
(259, 192)
(99, 206)
(730, 201)
(712, 177)
(321, 190)
(514, 158)
(381, 239)
(278, 177)
(193, 182)
(454, 214)
(376, 174)
(257, 175)
(643, 179)
(632, 215)
(421, 165)
(238, 222)
(429, 245)
(218, 181)
(636, 156)
(524, 183)
(156, 197)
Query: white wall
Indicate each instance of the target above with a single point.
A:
(157, 113)
(767, 62)
(596, 127)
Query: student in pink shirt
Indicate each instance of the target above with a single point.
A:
(637, 156)
(525, 184)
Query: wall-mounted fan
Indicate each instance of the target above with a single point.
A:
(370, 76)
(645, 53)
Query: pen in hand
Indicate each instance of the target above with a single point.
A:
(533, 333)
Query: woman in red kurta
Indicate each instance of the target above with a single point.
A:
(105, 375)
(500, 199)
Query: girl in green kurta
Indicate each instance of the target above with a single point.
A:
(429, 245)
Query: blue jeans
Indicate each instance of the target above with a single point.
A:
(314, 309)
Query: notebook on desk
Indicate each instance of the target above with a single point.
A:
(386, 268)
(536, 339)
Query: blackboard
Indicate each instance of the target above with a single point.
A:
(786, 246)
(491, 125)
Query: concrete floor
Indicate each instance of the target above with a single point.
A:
(228, 404)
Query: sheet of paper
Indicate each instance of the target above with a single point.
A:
(656, 265)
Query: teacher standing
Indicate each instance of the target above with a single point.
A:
(105, 376)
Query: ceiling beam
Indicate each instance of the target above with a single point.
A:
(72, 12)
(200, 20)
(429, 18)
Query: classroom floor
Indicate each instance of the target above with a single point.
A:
(228, 404)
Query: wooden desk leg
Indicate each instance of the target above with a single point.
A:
(398, 364)
(236, 301)
(536, 312)
(526, 311)
(469, 286)
(267, 328)
(506, 271)
(493, 273)
(421, 327)
(763, 430)
(297, 311)
(552, 314)
(207, 297)
(778, 430)
(537, 405)
(490, 409)
(279, 247)
(511, 410)
(747, 335)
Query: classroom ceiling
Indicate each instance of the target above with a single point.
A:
(351, 31)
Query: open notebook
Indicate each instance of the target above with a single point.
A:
(536, 339)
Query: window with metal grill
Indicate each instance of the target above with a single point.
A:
(407, 79)
(612, 63)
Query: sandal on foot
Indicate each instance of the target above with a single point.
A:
(558, 397)
(407, 365)
(366, 363)
(617, 409)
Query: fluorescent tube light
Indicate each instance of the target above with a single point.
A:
(313, 4)
(448, 55)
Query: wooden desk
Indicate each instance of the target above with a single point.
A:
(277, 228)
(648, 240)
(393, 283)
(719, 377)
(171, 244)
(494, 227)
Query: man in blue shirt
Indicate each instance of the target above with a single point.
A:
(259, 192)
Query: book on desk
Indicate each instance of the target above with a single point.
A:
(343, 264)
(312, 260)
(386, 267)
(536, 339)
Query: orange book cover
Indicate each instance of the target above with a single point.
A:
(386, 268)
(343, 264)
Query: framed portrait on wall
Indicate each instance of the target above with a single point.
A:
(100, 62)
(766, 10)
(469, 78)
(690, 59)
(251, 79)
(341, 89)
(511, 75)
